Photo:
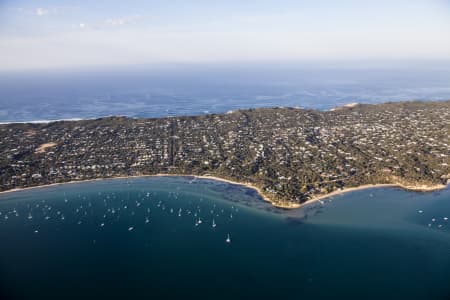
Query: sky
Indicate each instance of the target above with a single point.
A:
(68, 34)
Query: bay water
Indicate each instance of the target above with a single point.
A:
(181, 237)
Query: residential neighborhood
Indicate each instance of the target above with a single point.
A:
(289, 154)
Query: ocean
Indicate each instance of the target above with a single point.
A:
(161, 91)
(180, 237)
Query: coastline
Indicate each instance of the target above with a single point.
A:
(289, 205)
(248, 185)
(43, 121)
(418, 189)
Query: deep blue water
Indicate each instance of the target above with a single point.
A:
(192, 90)
(92, 240)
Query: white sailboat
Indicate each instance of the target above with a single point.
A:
(228, 240)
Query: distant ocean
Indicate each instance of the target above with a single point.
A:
(193, 90)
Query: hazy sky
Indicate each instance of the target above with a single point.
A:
(64, 34)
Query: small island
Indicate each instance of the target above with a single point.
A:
(289, 155)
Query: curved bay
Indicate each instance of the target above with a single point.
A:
(154, 238)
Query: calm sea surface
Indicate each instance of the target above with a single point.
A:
(154, 238)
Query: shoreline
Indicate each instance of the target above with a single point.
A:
(420, 189)
(43, 121)
(247, 185)
(202, 113)
(291, 205)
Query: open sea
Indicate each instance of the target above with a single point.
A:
(161, 91)
(180, 237)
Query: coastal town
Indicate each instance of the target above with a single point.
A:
(290, 155)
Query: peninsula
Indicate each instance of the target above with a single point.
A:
(289, 155)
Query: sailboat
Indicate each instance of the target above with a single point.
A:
(228, 240)
(214, 224)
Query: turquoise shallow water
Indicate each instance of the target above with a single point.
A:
(143, 238)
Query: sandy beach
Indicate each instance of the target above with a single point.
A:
(248, 185)
(415, 188)
(279, 204)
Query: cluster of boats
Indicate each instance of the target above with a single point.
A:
(435, 221)
(107, 208)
